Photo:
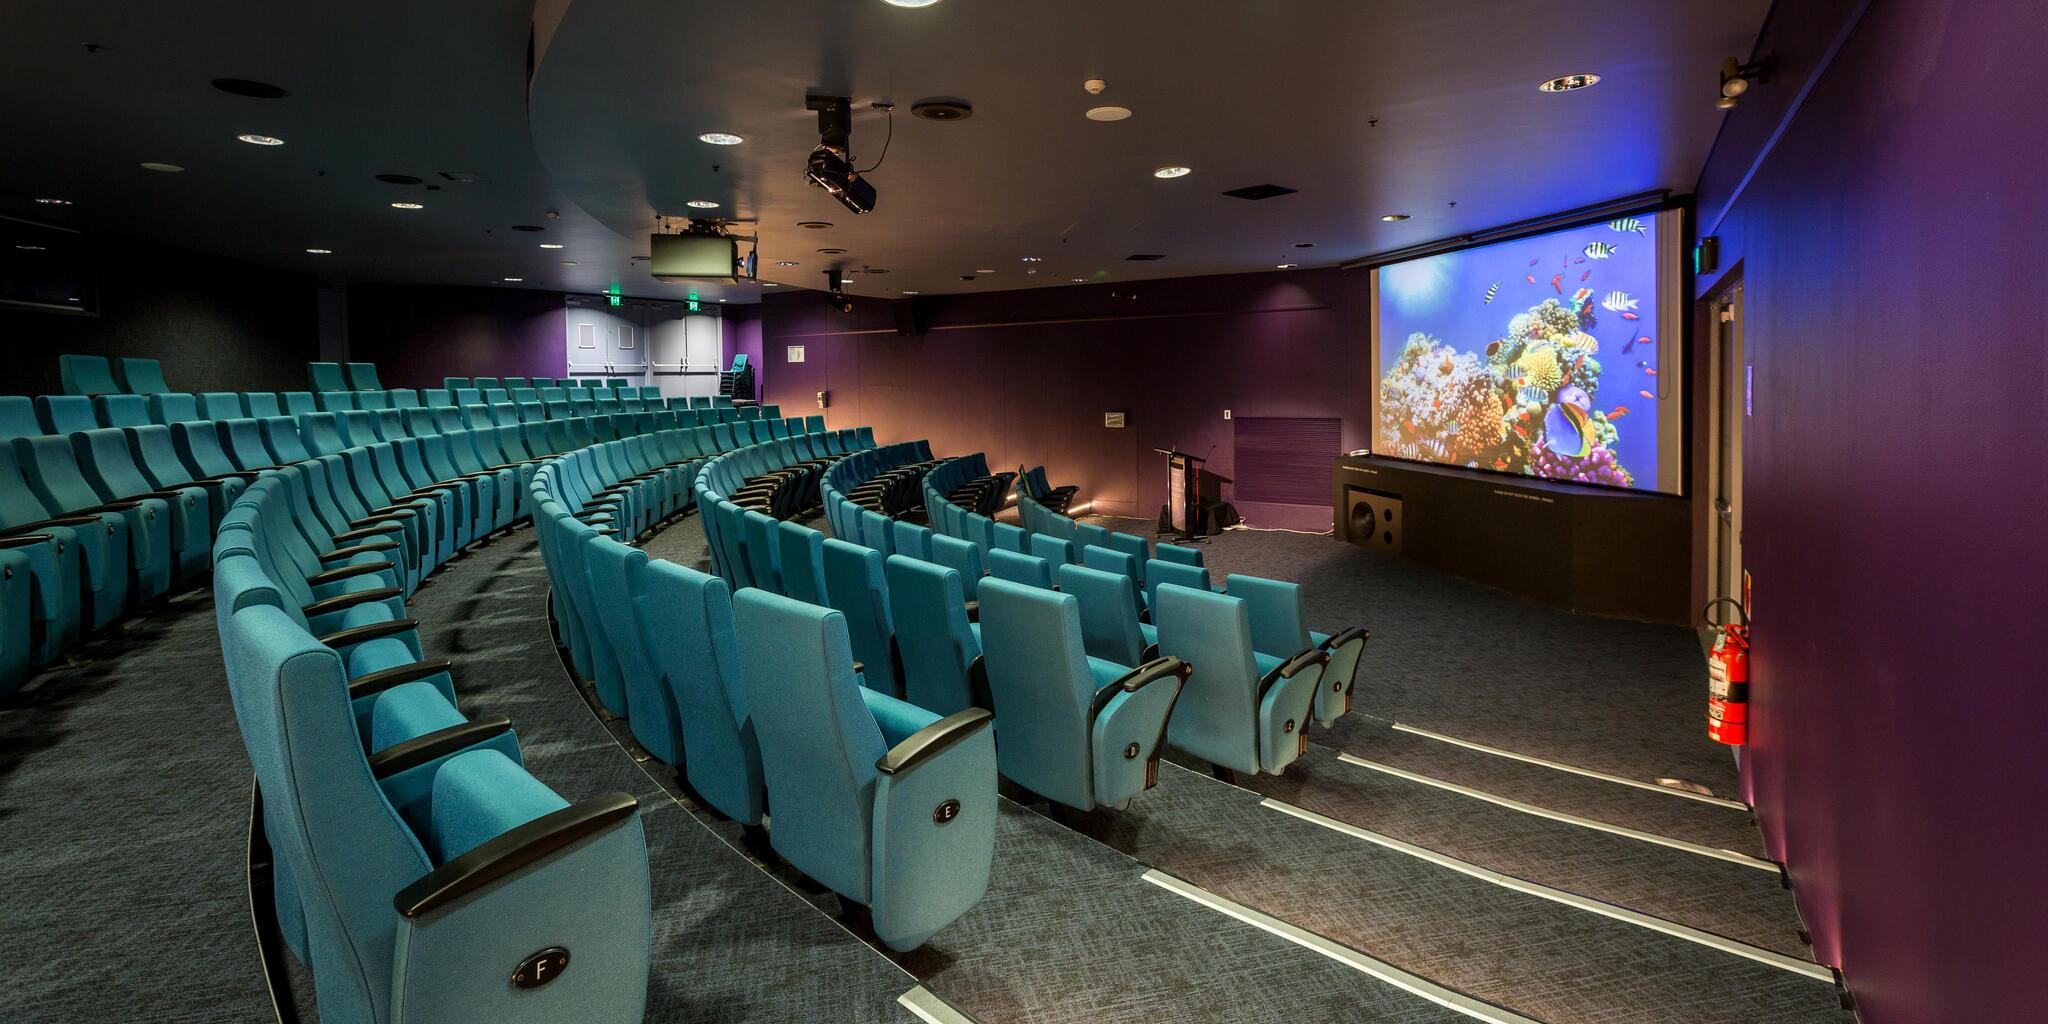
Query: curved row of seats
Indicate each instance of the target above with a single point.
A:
(416, 862)
(108, 503)
(756, 698)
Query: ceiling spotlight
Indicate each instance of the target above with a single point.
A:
(1028, 259)
(911, 291)
(1569, 83)
(830, 166)
(1173, 171)
(1391, 217)
(1737, 77)
(984, 271)
(52, 201)
(1285, 266)
(1108, 113)
(151, 165)
(786, 263)
(551, 245)
(1094, 86)
(910, 3)
(515, 280)
(720, 138)
(408, 206)
(701, 204)
(321, 252)
(254, 139)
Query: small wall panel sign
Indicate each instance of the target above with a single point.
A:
(1113, 420)
(796, 353)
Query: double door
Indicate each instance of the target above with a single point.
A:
(646, 342)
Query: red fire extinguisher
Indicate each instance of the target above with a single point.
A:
(1728, 677)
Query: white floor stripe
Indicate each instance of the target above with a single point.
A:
(1570, 899)
(931, 1009)
(1411, 983)
(1623, 780)
(1701, 849)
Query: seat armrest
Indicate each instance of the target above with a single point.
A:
(374, 530)
(22, 540)
(932, 740)
(1314, 657)
(1139, 678)
(338, 554)
(365, 634)
(346, 572)
(436, 745)
(378, 682)
(1359, 633)
(480, 869)
(340, 602)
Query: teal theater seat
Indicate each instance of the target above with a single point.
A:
(87, 375)
(888, 805)
(140, 376)
(53, 475)
(939, 648)
(1241, 710)
(1279, 622)
(326, 377)
(686, 618)
(363, 377)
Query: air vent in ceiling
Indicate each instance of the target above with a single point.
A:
(1144, 257)
(1260, 192)
(398, 179)
(527, 227)
(942, 109)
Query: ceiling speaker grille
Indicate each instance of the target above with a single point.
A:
(1260, 192)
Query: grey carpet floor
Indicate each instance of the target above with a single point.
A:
(1560, 964)
(124, 803)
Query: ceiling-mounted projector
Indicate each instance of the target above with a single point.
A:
(703, 252)
(831, 164)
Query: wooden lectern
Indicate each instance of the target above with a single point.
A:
(1183, 493)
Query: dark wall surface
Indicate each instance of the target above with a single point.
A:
(418, 334)
(1027, 375)
(217, 324)
(1889, 250)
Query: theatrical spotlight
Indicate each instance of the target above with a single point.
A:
(835, 291)
(1737, 77)
(831, 164)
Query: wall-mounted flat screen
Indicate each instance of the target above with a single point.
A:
(1553, 355)
(46, 268)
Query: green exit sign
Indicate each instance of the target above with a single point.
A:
(695, 306)
(612, 294)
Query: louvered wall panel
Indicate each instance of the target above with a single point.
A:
(1285, 460)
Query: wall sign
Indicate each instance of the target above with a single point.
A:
(796, 353)
(1114, 420)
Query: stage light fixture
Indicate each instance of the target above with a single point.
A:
(831, 163)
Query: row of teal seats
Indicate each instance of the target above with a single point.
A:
(63, 414)
(757, 699)
(1295, 672)
(330, 377)
(1073, 725)
(97, 375)
(740, 494)
(415, 862)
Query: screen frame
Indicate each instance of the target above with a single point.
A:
(1675, 282)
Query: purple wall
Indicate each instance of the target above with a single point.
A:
(743, 335)
(1027, 375)
(418, 334)
(1890, 253)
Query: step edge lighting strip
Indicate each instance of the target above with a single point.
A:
(932, 1008)
(1731, 856)
(1413, 984)
(1624, 780)
(1702, 937)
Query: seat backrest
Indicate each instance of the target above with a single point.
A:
(1041, 684)
(372, 400)
(1277, 612)
(1089, 533)
(452, 383)
(336, 401)
(87, 375)
(173, 407)
(1011, 538)
(243, 441)
(122, 410)
(932, 636)
(688, 617)
(1026, 569)
(963, 558)
(53, 474)
(140, 376)
(857, 588)
(281, 434)
(109, 464)
(65, 414)
(913, 539)
(363, 377)
(1109, 614)
(1158, 574)
(298, 403)
(1178, 554)
(404, 398)
(802, 561)
(819, 743)
(1219, 703)
(326, 377)
(321, 433)
(262, 404)
(220, 405)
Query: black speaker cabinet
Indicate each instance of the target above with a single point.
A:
(1373, 519)
(1590, 549)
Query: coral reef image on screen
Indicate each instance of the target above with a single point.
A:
(1532, 356)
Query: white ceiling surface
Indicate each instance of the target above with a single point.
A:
(1245, 93)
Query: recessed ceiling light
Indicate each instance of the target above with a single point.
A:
(321, 252)
(770, 284)
(1108, 113)
(1570, 82)
(984, 271)
(831, 252)
(1030, 259)
(1173, 171)
(515, 280)
(910, 3)
(52, 201)
(786, 263)
(408, 206)
(720, 138)
(701, 204)
(1394, 217)
(152, 165)
(814, 225)
(911, 291)
(1285, 266)
(570, 263)
(551, 245)
(1079, 280)
(254, 139)
(28, 247)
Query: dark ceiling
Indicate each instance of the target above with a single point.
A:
(1366, 108)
